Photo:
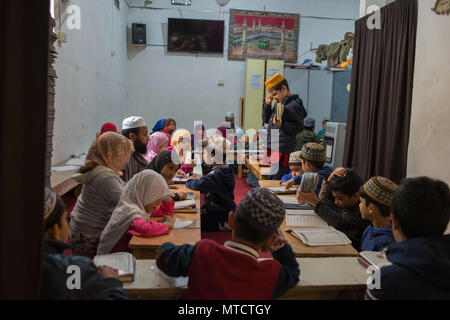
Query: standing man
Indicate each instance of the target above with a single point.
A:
(135, 129)
(287, 116)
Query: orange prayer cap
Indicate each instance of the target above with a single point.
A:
(272, 82)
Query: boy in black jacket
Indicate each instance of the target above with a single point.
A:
(420, 269)
(218, 187)
(287, 117)
(93, 284)
(342, 185)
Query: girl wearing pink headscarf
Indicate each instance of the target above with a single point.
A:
(158, 142)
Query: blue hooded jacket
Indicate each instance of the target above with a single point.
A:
(420, 270)
(218, 187)
(323, 173)
(376, 239)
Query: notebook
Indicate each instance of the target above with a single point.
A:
(305, 221)
(321, 237)
(123, 261)
(282, 190)
(376, 258)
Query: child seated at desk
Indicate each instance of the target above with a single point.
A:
(342, 185)
(102, 189)
(166, 164)
(142, 194)
(218, 186)
(234, 270)
(100, 283)
(295, 165)
(420, 213)
(313, 160)
(158, 142)
(181, 142)
(375, 201)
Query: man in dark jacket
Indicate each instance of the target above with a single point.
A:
(420, 260)
(287, 117)
(307, 135)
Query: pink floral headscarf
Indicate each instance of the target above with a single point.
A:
(157, 140)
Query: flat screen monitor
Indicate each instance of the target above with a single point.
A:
(193, 35)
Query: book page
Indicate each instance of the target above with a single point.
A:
(181, 224)
(305, 221)
(185, 204)
(123, 261)
(377, 258)
(301, 212)
(282, 189)
(288, 200)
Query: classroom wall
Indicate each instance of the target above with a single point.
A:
(184, 86)
(92, 84)
(429, 146)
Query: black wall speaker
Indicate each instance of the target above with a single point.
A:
(138, 33)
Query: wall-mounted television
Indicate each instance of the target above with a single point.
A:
(193, 35)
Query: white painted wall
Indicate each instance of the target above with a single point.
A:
(92, 85)
(184, 87)
(429, 147)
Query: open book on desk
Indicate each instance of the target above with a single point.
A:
(321, 236)
(305, 220)
(281, 190)
(376, 258)
(123, 261)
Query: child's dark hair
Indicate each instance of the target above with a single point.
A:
(348, 185)
(385, 211)
(318, 165)
(246, 231)
(422, 207)
(55, 216)
(126, 132)
(281, 84)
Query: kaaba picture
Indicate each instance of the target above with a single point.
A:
(263, 35)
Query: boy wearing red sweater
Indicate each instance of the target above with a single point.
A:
(234, 270)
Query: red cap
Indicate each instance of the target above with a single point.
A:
(108, 127)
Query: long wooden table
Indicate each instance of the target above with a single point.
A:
(145, 248)
(62, 182)
(302, 250)
(320, 279)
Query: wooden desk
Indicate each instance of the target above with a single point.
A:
(320, 279)
(145, 248)
(261, 173)
(302, 250)
(182, 188)
(61, 181)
